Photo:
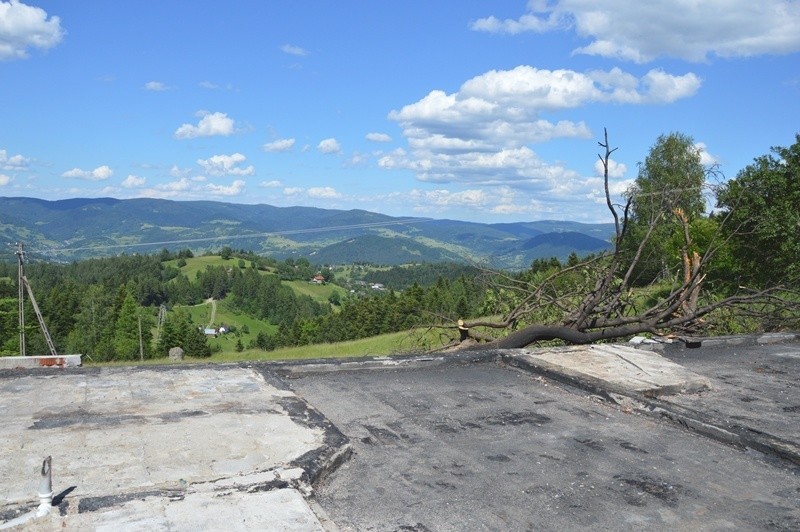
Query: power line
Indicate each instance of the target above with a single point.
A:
(408, 221)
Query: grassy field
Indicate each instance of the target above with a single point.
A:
(384, 345)
(318, 292)
(247, 327)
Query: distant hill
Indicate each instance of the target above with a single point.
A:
(77, 228)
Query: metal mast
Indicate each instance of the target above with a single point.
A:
(24, 281)
(20, 283)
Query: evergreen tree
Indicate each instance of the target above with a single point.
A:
(126, 330)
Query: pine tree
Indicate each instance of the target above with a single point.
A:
(126, 330)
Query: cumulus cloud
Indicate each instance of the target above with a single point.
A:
(23, 27)
(294, 50)
(133, 181)
(323, 192)
(482, 133)
(502, 200)
(4, 180)
(14, 162)
(101, 173)
(643, 31)
(226, 165)
(615, 169)
(234, 189)
(194, 187)
(210, 125)
(271, 184)
(378, 137)
(279, 145)
(330, 145)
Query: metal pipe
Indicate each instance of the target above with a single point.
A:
(45, 488)
(45, 499)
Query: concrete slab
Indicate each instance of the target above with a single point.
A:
(41, 361)
(615, 368)
(280, 509)
(127, 443)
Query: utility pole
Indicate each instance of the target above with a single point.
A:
(20, 283)
(20, 253)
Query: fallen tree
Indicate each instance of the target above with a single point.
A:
(605, 297)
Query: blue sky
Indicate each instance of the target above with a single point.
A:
(478, 111)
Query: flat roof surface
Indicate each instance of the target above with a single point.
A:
(159, 448)
(480, 446)
(598, 439)
(755, 387)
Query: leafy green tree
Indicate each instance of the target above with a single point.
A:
(666, 199)
(761, 213)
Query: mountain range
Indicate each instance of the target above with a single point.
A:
(79, 228)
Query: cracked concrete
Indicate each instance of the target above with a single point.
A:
(125, 440)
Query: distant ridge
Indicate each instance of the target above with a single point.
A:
(76, 228)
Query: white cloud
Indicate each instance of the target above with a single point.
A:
(706, 158)
(208, 85)
(101, 173)
(210, 125)
(279, 145)
(168, 190)
(23, 27)
(615, 169)
(176, 171)
(323, 192)
(133, 181)
(234, 189)
(226, 165)
(643, 31)
(4, 180)
(271, 184)
(312, 192)
(294, 50)
(156, 86)
(481, 133)
(15, 162)
(195, 187)
(378, 137)
(330, 145)
(442, 197)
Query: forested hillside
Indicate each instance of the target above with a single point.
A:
(81, 228)
(95, 307)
